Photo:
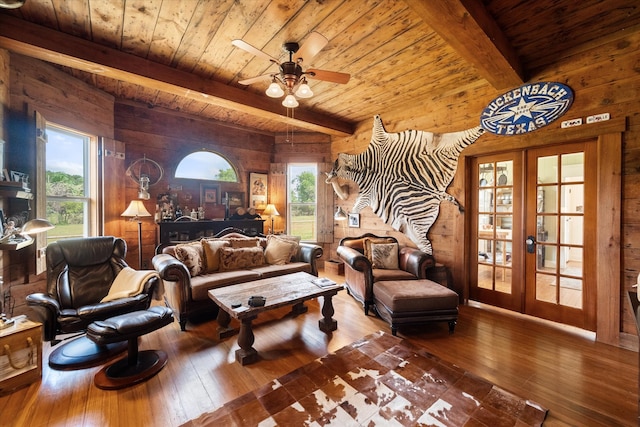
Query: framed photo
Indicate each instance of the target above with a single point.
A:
(236, 200)
(209, 194)
(19, 176)
(258, 190)
(354, 220)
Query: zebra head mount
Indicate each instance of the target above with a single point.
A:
(403, 176)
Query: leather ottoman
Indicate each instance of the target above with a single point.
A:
(414, 302)
(137, 366)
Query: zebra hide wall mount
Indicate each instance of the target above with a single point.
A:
(403, 176)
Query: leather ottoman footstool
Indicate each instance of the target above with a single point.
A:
(414, 302)
(137, 366)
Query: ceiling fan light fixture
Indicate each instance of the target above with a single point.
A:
(274, 90)
(290, 101)
(304, 91)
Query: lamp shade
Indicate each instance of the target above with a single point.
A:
(37, 225)
(290, 101)
(340, 215)
(136, 209)
(304, 91)
(274, 90)
(271, 210)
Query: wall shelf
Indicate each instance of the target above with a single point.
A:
(14, 245)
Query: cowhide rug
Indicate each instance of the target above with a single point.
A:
(380, 380)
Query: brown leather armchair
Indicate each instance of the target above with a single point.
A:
(80, 272)
(360, 274)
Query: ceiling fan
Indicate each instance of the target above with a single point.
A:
(290, 75)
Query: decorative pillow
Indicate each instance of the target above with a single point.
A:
(192, 256)
(384, 255)
(250, 242)
(238, 258)
(367, 241)
(211, 250)
(279, 251)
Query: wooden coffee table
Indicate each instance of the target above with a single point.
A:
(290, 289)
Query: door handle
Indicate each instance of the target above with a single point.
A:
(531, 244)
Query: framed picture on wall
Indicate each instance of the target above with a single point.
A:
(236, 200)
(209, 194)
(354, 220)
(258, 190)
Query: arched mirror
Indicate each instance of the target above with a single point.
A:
(206, 165)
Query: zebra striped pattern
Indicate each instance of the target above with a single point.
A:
(403, 176)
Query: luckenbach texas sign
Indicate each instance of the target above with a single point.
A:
(526, 108)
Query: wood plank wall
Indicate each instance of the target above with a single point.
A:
(604, 78)
(166, 138)
(64, 100)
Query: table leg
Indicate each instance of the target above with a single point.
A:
(327, 323)
(246, 354)
(299, 308)
(224, 331)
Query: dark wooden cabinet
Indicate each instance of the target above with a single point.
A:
(170, 232)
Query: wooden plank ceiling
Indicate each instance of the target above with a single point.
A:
(177, 54)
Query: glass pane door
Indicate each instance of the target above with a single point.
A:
(497, 200)
(560, 277)
(495, 219)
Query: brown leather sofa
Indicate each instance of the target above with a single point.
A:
(360, 274)
(188, 294)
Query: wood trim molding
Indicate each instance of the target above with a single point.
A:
(609, 210)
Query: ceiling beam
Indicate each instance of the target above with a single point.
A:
(52, 46)
(471, 31)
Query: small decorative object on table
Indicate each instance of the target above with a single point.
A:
(20, 354)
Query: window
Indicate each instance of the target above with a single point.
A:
(206, 165)
(303, 196)
(70, 186)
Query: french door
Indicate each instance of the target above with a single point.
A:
(533, 232)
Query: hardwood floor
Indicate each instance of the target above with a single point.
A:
(583, 383)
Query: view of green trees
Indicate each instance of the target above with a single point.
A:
(228, 175)
(303, 205)
(64, 212)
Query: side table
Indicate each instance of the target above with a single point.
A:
(20, 354)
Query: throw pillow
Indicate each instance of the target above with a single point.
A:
(211, 250)
(238, 258)
(250, 242)
(384, 255)
(279, 251)
(375, 240)
(192, 256)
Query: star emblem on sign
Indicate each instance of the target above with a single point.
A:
(522, 109)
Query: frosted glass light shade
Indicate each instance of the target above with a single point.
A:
(304, 91)
(274, 90)
(290, 101)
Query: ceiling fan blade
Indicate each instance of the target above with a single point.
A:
(256, 79)
(252, 50)
(310, 48)
(328, 76)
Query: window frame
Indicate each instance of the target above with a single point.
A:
(90, 175)
(317, 168)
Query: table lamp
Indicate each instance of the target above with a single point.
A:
(18, 235)
(135, 211)
(271, 211)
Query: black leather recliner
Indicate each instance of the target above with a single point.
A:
(80, 272)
